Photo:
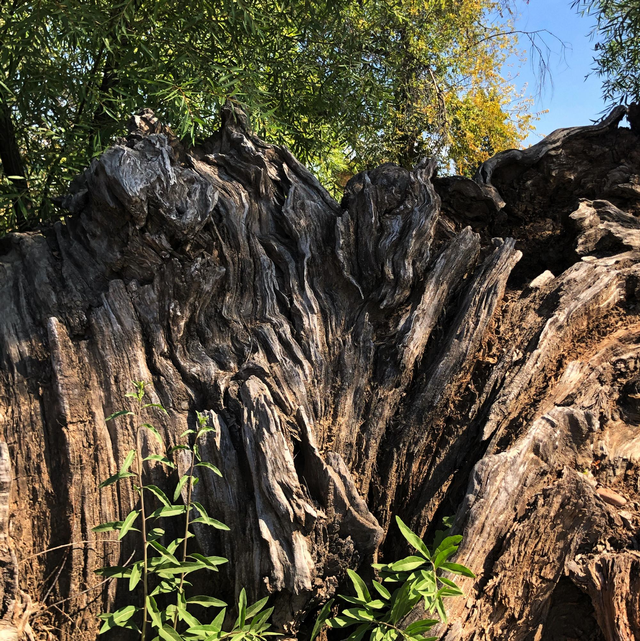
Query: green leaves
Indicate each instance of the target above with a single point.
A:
(407, 564)
(155, 432)
(360, 586)
(210, 562)
(164, 553)
(209, 466)
(154, 612)
(127, 524)
(206, 519)
(158, 493)
(341, 622)
(115, 478)
(321, 619)
(128, 461)
(358, 614)
(414, 540)
(156, 405)
(252, 622)
(448, 547)
(382, 591)
(161, 459)
(162, 567)
(138, 394)
(119, 619)
(181, 483)
(252, 610)
(115, 572)
(618, 49)
(169, 510)
(165, 567)
(108, 527)
(418, 579)
(455, 568)
(117, 414)
(135, 576)
(207, 601)
(242, 609)
(168, 633)
(420, 627)
(448, 542)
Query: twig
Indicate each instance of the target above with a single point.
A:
(55, 580)
(64, 614)
(66, 545)
(75, 596)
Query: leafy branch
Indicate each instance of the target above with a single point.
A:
(419, 577)
(160, 571)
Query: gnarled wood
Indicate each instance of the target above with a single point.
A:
(429, 346)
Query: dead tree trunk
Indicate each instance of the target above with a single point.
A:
(429, 347)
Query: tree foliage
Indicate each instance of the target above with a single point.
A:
(617, 34)
(345, 84)
(431, 85)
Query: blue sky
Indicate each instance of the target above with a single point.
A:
(570, 98)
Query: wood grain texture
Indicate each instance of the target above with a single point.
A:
(429, 346)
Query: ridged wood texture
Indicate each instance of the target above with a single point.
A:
(428, 347)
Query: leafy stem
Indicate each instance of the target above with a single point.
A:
(400, 631)
(145, 543)
(377, 611)
(187, 523)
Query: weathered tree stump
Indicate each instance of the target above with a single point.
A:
(431, 346)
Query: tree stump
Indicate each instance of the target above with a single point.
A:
(429, 347)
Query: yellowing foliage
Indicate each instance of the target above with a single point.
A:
(346, 84)
(434, 83)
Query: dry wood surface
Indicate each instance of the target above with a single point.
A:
(430, 346)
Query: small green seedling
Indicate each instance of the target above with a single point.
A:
(164, 566)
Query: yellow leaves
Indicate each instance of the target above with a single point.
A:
(451, 96)
(488, 122)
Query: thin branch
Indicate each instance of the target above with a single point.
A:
(542, 53)
(57, 576)
(66, 545)
(75, 596)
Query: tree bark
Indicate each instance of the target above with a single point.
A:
(428, 347)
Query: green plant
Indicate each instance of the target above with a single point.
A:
(617, 46)
(162, 571)
(345, 84)
(418, 578)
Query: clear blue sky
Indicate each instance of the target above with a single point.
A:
(570, 98)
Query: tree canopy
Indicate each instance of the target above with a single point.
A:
(345, 84)
(617, 35)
